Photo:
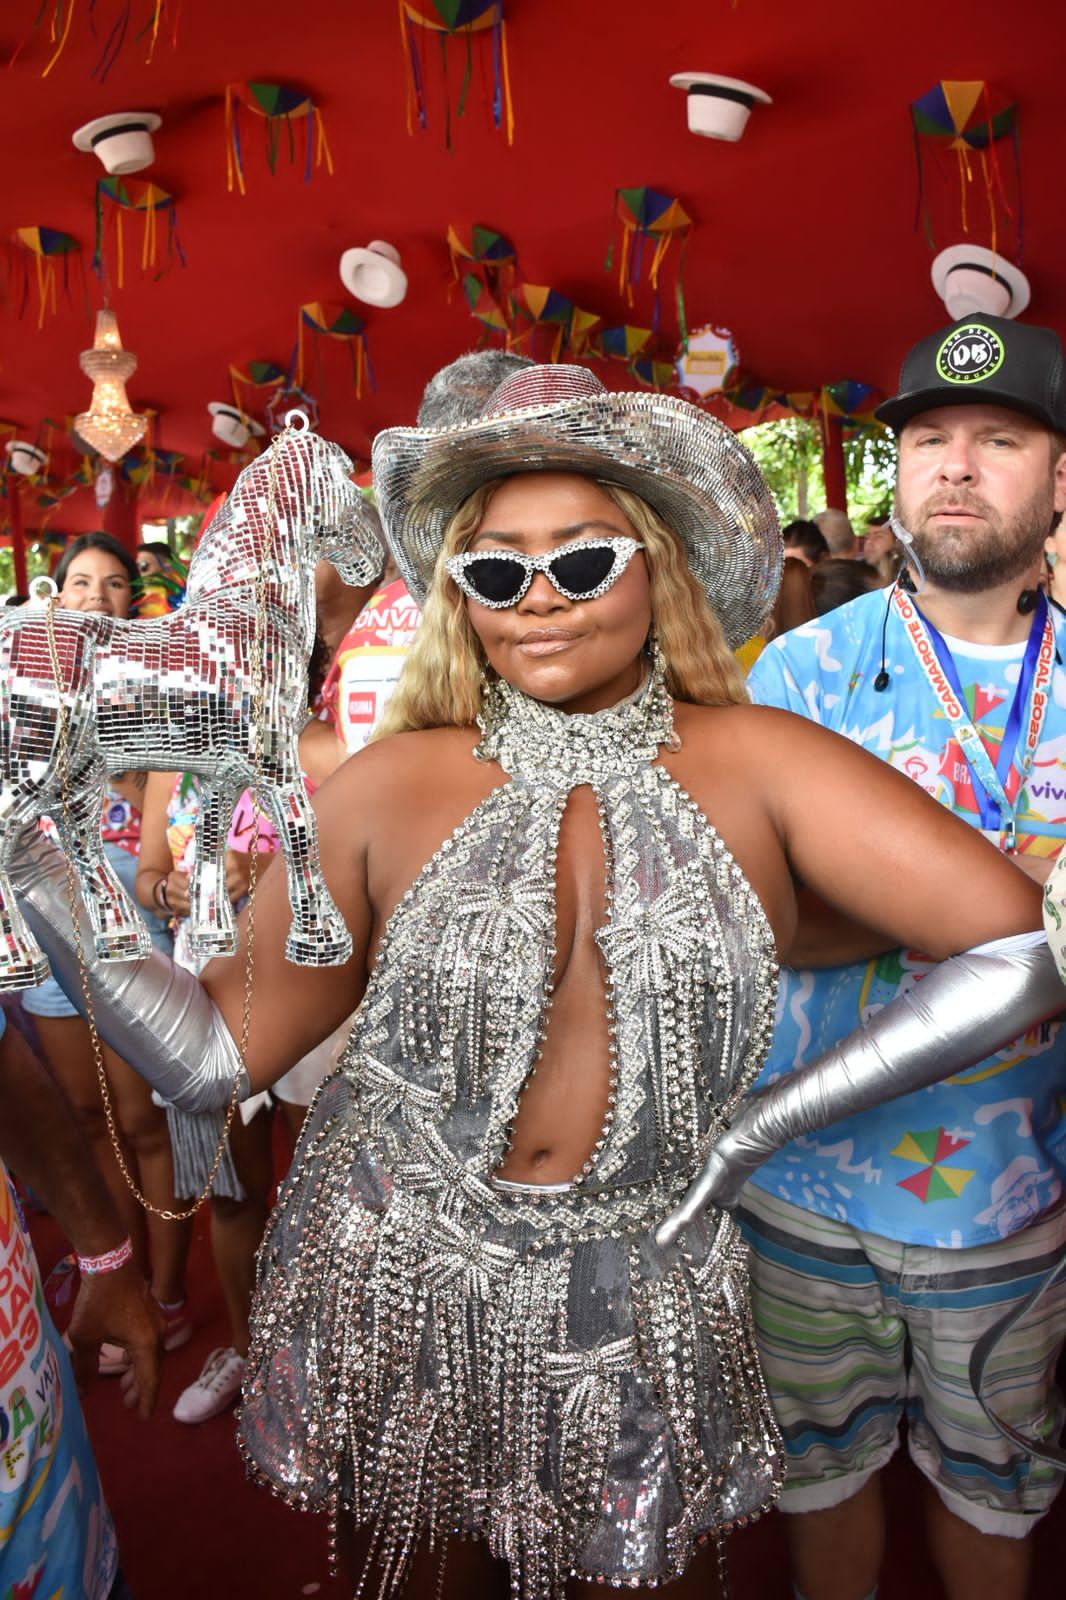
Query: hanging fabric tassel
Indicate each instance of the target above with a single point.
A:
(466, 74)
(113, 44)
(157, 16)
(447, 94)
(964, 179)
(234, 165)
(470, 18)
(69, 5)
(281, 106)
(45, 245)
(322, 150)
(682, 317)
(415, 97)
(650, 221)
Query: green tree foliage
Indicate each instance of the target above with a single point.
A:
(36, 565)
(789, 454)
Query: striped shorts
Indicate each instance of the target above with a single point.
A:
(856, 1331)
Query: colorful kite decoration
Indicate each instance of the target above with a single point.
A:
(257, 375)
(484, 305)
(118, 195)
(60, 15)
(623, 343)
(46, 247)
(281, 107)
(964, 117)
(651, 222)
(853, 401)
(343, 325)
(489, 256)
(654, 374)
(139, 467)
(748, 394)
(540, 321)
(801, 402)
(450, 19)
(584, 330)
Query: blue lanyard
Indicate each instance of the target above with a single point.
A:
(1026, 713)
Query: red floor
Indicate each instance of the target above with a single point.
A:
(189, 1525)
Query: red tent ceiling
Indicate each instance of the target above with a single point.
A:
(803, 244)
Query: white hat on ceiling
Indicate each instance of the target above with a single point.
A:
(123, 140)
(974, 281)
(718, 107)
(374, 274)
(25, 458)
(232, 426)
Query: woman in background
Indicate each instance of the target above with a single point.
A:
(97, 574)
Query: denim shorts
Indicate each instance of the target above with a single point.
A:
(49, 999)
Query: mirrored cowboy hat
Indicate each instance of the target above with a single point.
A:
(688, 467)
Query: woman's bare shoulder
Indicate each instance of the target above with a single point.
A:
(745, 721)
(402, 750)
(765, 748)
(385, 766)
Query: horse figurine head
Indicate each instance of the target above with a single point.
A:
(292, 506)
(179, 693)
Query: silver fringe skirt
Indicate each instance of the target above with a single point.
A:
(432, 1357)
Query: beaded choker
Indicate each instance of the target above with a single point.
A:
(538, 743)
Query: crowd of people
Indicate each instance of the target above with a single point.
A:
(693, 1103)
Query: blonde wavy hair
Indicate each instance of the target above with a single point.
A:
(440, 686)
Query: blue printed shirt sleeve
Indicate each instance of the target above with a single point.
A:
(785, 665)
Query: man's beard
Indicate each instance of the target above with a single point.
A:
(969, 557)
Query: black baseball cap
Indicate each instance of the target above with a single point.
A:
(983, 360)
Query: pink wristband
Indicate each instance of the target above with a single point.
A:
(110, 1261)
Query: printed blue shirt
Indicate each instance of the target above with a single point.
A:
(977, 1157)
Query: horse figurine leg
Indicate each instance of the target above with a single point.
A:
(23, 963)
(317, 934)
(119, 931)
(211, 928)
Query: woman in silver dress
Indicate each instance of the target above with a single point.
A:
(568, 873)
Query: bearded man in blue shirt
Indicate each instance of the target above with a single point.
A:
(883, 1246)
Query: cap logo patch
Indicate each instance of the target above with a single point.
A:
(969, 354)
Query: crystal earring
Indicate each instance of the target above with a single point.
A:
(658, 693)
(490, 700)
(656, 658)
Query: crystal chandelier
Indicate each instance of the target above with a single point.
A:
(109, 426)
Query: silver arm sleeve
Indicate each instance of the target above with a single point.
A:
(152, 1013)
(963, 1011)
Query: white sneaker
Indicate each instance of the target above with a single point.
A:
(215, 1389)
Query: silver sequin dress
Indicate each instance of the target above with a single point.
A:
(433, 1355)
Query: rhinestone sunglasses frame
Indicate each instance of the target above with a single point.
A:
(623, 547)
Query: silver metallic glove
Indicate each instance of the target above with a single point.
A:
(964, 1010)
(152, 1013)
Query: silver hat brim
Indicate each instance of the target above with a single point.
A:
(689, 468)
